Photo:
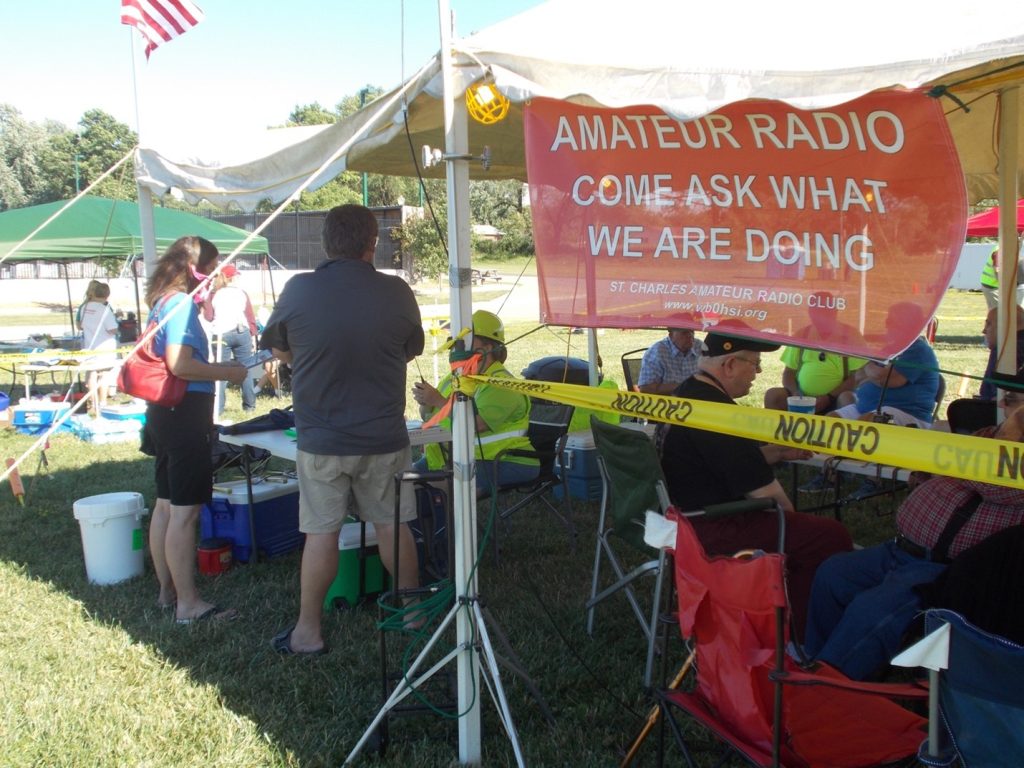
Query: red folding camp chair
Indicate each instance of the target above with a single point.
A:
(751, 694)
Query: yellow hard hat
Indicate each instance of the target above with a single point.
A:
(488, 325)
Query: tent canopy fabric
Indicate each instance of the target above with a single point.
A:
(97, 226)
(986, 223)
(687, 59)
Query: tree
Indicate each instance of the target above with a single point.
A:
(517, 239)
(490, 202)
(102, 142)
(349, 105)
(311, 114)
(419, 239)
(340, 190)
(21, 143)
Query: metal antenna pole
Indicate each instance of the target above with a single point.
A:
(472, 637)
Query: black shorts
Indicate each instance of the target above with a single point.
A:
(179, 438)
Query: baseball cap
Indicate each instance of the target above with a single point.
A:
(716, 344)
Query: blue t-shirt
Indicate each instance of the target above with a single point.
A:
(182, 328)
(919, 366)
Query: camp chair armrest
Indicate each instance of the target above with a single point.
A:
(889, 690)
(741, 507)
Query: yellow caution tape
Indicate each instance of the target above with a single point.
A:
(43, 355)
(970, 458)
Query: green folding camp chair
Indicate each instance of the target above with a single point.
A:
(632, 484)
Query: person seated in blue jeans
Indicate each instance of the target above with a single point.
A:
(863, 602)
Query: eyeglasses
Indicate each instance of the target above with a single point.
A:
(1013, 399)
(755, 363)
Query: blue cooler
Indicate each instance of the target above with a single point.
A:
(579, 463)
(33, 417)
(276, 517)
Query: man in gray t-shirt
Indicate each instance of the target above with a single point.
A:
(348, 332)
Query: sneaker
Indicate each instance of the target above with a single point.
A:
(866, 490)
(817, 484)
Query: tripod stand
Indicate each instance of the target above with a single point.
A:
(474, 649)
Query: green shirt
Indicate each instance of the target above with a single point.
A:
(818, 373)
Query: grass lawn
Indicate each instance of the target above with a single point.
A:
(99, 676)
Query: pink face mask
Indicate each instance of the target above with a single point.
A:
(196, 273)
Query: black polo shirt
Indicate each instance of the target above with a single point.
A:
(703, 467)
(352, 331)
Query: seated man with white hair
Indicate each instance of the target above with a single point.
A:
(704, 467)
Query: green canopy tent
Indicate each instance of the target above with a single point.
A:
(97, 226)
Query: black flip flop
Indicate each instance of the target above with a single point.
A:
(282, 643)
(213, 614)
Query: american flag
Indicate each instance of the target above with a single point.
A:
(160, 20)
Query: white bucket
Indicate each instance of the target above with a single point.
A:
(112, 537)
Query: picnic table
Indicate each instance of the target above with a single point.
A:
(480, 277)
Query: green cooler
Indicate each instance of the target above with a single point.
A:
(360, 573)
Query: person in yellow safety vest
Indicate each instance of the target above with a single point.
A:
(502, 416)
(990, 280)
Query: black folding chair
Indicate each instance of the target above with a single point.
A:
(547, 432)
(631, 367)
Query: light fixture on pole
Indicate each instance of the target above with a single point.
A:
(485, 103)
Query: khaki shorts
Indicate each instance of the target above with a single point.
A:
(332, 486)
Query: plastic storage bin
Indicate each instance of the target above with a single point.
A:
(579, 462)
(276, 517)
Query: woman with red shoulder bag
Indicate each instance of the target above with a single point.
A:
(179, 436)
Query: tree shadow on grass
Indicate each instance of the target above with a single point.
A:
(53, 306)
(313, 709)
(44, 539)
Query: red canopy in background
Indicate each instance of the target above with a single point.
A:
(986, 223)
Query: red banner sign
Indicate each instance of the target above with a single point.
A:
(761, 215)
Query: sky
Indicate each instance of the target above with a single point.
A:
(248, 64)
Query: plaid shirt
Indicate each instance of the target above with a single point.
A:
(663, 362)
(925, 513)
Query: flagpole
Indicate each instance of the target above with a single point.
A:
(146, 227)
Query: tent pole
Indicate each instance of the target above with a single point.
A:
(464, 488)
(71, 308)
(1009, 246)
(146, 228)
(592, 355)
(270, 276)
(471, 632)
(135, 284)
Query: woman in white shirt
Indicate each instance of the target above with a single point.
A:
(99, 335)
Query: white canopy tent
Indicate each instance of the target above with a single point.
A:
(685, 58)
